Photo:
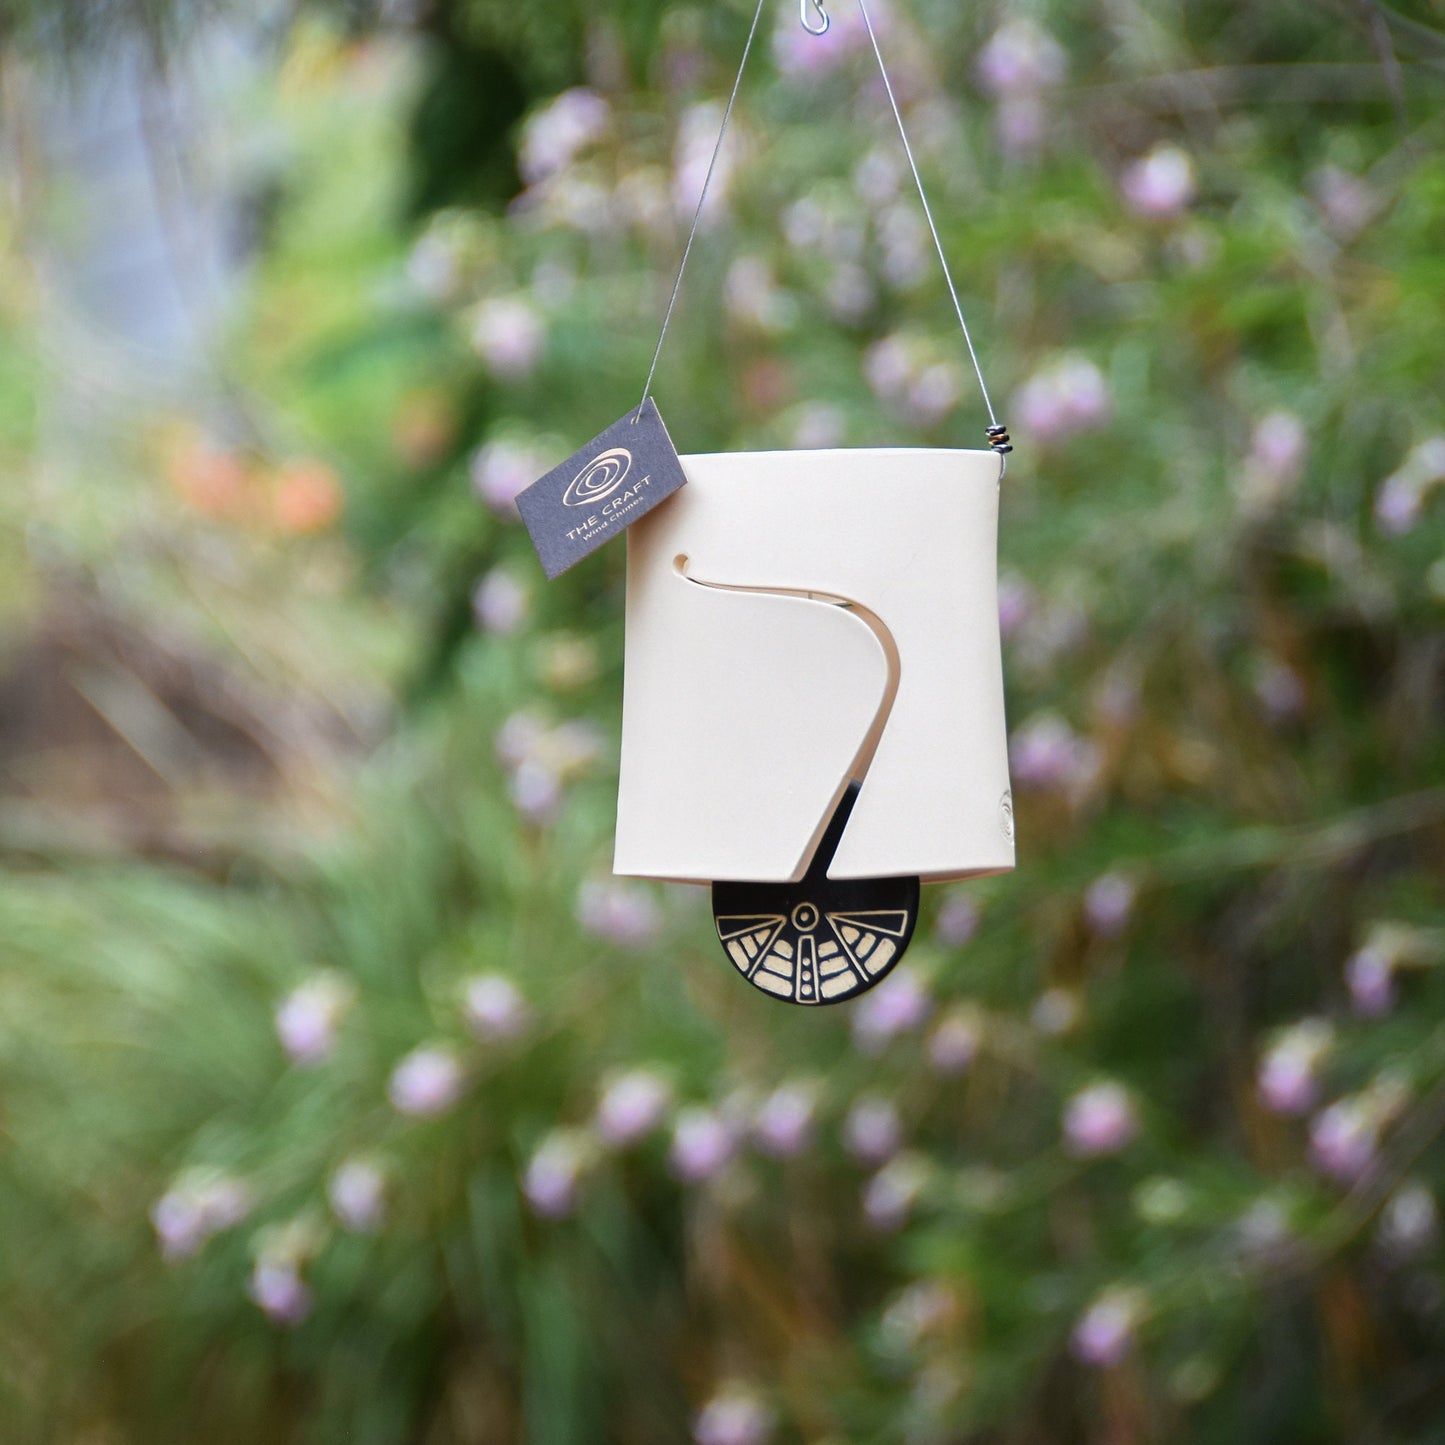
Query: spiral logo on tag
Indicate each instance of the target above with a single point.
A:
(599, 478)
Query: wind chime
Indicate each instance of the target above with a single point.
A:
(813, 714)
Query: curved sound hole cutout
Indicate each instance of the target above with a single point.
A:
(819, 940)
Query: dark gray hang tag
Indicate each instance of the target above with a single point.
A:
(601, 490)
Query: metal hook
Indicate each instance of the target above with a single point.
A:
(814, 5)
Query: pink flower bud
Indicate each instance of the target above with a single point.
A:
(427, 1082)
(1370, 974)
(702, 1144)
(957, 921)
(1287, 1083)
(280, 1291)
(510, 337)
(1069, 395)
(696, 135)
(553, 137)
(1279, 689)
(1288, 1072)
(1398, 505)
(819, 426)
(937, 390)
(500, 603)
(1046, 753)
(1104, 1335)
(1020, 57)
(1015, 605)
(307, 1019)
(1344, 1140)
(784, 1123)
(1108, 903)
(888, 366)
(1410, 1222)
(1021, 124)
(200, 1204)
(734, 1417)
(178, 1224)
(1099, 1120)
(898, 1005)
(889, 1196)
(631, 1107)
(536, 791)
(622, 913)
(954, 1043)
(357, 1193)
(872, 1132)
(1347, 202)
(552, 1175)
(878, 178)
(519, 738)
(1161, 185)
(1280, 444)
(502, 469)
(495, 1008)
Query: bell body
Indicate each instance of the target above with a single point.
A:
(799, 621)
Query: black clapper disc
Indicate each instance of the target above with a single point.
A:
(820, 940)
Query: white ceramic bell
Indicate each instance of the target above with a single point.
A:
(800, 620)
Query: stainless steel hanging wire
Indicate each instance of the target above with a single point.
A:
(997, 433)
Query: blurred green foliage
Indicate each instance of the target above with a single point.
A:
(1143, 1141)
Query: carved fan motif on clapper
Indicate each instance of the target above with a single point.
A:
(819, 940)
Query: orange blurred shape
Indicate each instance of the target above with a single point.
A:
(208, 478)
(424, 427)
(308, 497)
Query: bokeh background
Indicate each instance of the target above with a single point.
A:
(344, 1095)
